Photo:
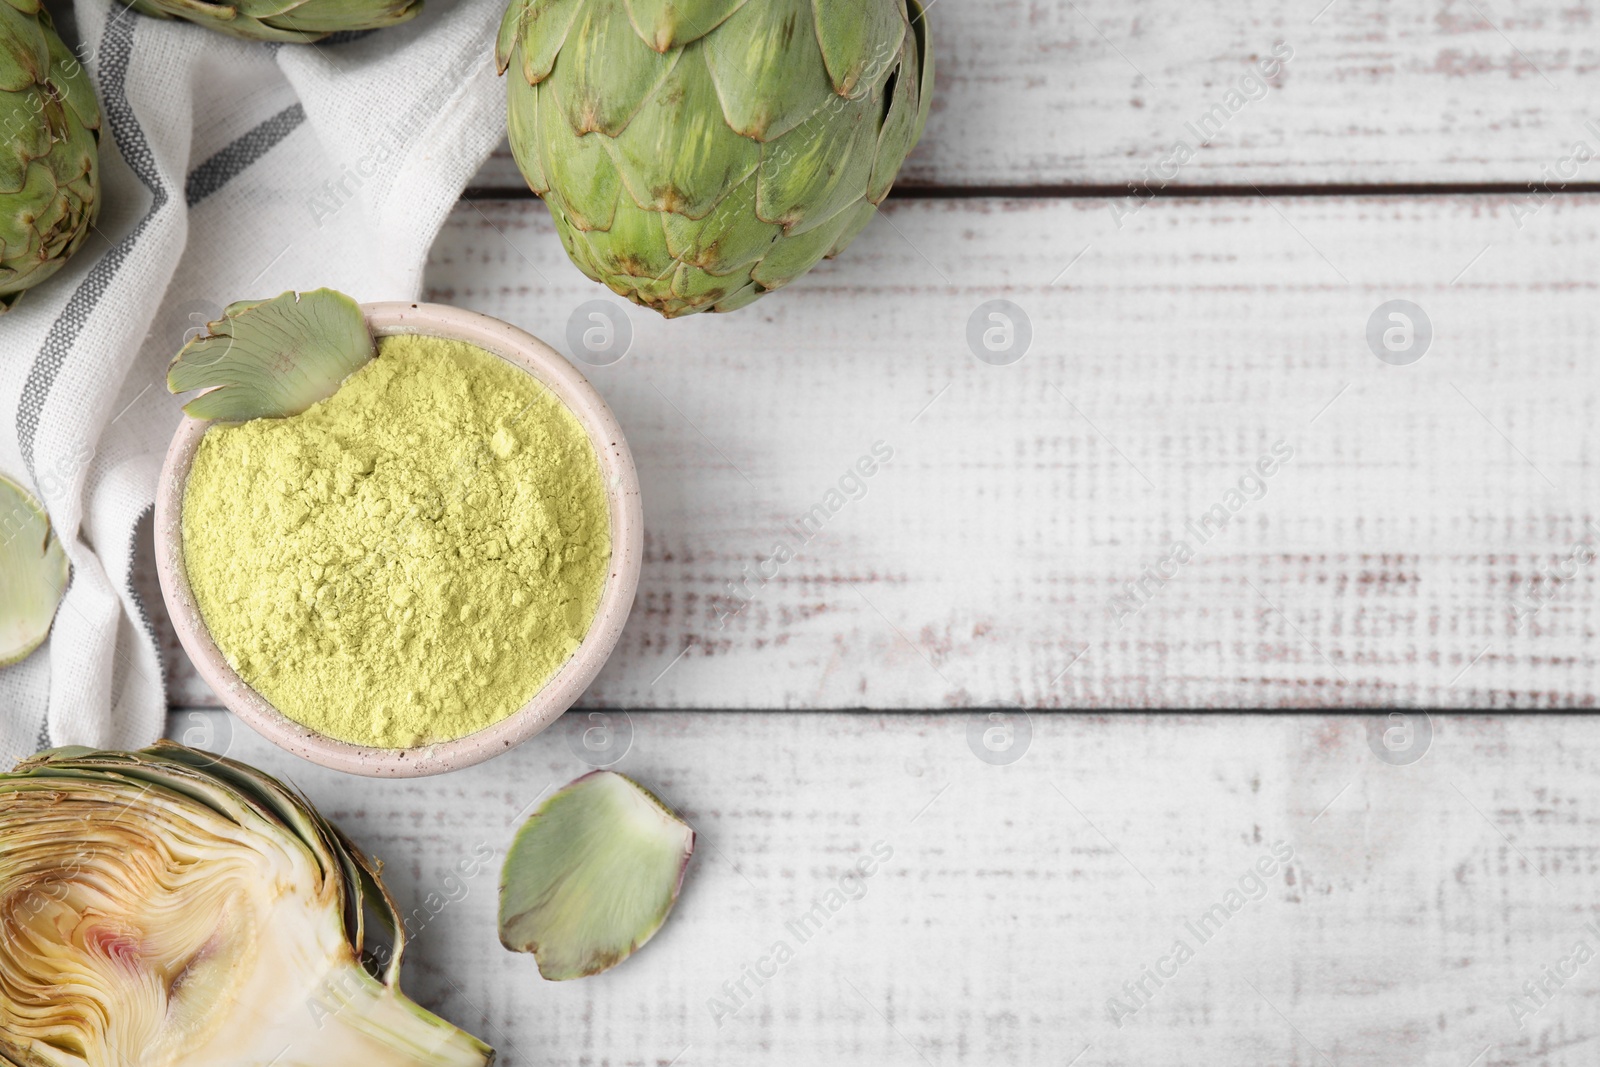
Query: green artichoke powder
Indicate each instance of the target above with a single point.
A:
(408, 561)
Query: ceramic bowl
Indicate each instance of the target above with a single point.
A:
(553, 371)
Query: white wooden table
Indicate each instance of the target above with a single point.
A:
(1016, 552)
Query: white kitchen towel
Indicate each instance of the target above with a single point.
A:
(230, 170)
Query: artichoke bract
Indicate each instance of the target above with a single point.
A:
(33, 573)
(290, 21)
(696, 154)
(272, 358)
(170, 908)
(49, 152)
(592, 876)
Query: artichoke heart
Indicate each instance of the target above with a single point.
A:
(168, 908)
(696, 154)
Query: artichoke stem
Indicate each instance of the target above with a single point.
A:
(355, 1019)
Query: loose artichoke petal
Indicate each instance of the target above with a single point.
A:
(269, 359)
(678, 140)
(668, 24)
(819, 168)
(768, 68)
(606, 72)
(860, 40)
(592, 876)
(33, 573)
(174, 909)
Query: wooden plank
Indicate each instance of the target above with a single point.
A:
(1093, 92)
(1017, 900)
(1000, 557)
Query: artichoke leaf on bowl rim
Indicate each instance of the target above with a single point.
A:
(272, 358)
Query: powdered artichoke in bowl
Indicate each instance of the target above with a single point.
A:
(408, 565)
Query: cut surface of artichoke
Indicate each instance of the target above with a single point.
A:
(33, 573)
(167, 908)
(592, 876)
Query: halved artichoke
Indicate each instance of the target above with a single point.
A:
(168, 908)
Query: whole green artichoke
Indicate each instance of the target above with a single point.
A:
(696, 154)
(50, 156)
(292, 21)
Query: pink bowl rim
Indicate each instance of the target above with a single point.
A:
(555, 372)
